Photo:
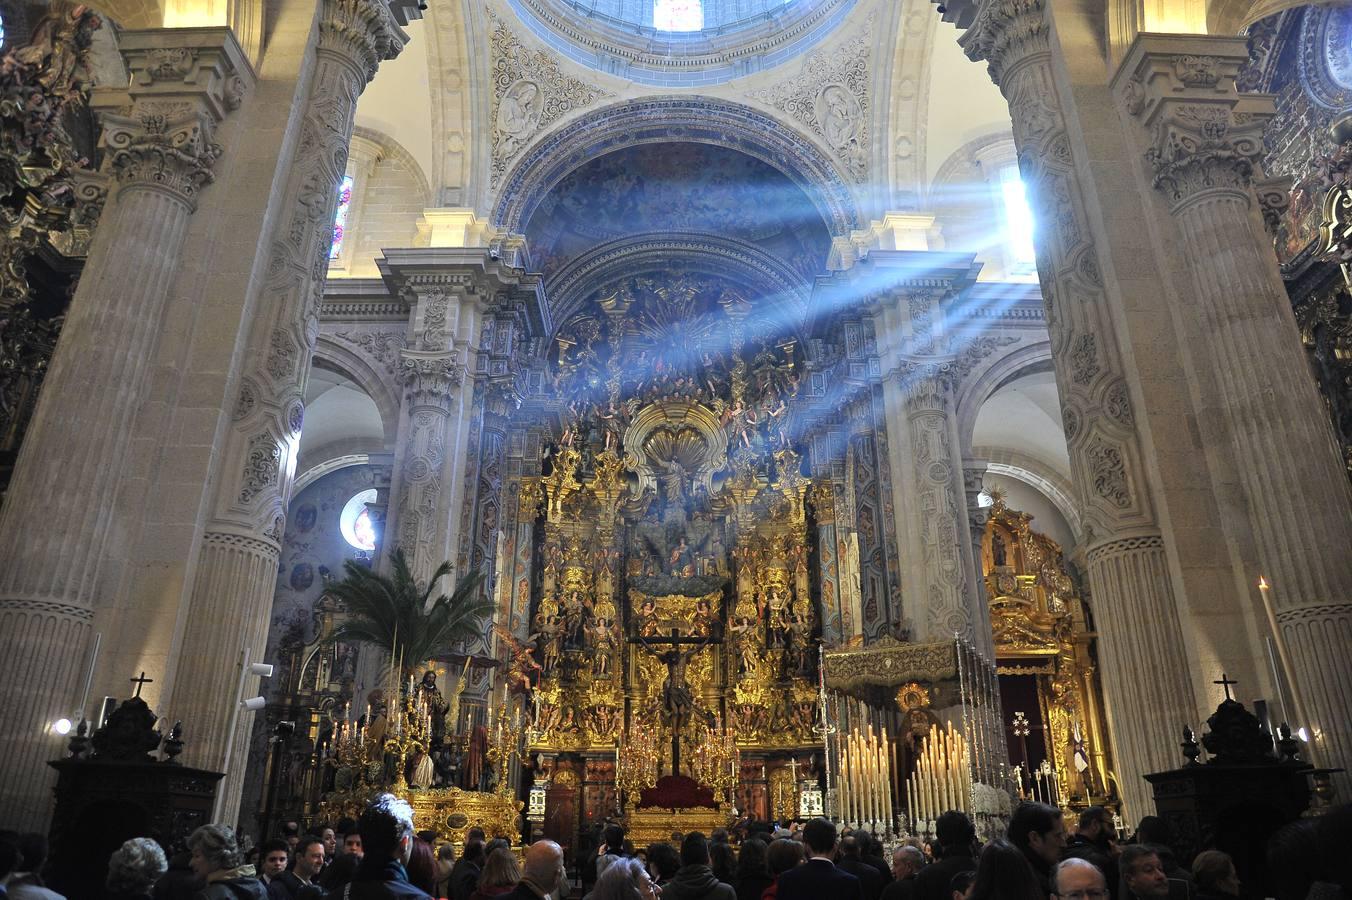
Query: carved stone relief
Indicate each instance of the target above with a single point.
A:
(832, 98)
(530, 91)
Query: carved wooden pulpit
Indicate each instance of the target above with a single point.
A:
(121, 791)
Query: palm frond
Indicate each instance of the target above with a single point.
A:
(395, 613)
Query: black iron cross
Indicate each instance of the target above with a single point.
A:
(141, 682)
(1225, 683)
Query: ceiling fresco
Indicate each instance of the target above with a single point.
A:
(673, 189)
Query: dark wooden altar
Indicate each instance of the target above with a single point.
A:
(121, 791)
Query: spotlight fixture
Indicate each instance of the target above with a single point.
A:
(253, 704)
(61, 726)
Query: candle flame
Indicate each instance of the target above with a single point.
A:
(1263, 583)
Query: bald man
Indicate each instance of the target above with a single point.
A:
(543, 873)
(1078, 879)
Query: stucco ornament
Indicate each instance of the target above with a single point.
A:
(530, 91)
(832, 97)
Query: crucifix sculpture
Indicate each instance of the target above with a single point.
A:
(677, 701)
(1225, 682)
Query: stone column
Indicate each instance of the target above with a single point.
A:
(1200, 142)
(61, 504)
(1135, 601)
(953, 601)
(235, 578)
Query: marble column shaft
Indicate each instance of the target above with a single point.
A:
(1135, 601)
(61, 504)
(1202, 141)
(235, 578)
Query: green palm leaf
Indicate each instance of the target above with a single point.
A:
(394, 613)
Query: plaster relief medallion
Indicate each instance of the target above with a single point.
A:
(295, 417)
(519, 114)
(838, 112)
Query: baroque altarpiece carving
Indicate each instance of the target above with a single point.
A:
(675, 593)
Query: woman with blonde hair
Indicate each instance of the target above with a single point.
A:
(499, 876)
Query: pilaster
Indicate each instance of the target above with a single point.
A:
(1200, 141)
(62, 504)
(924, 358)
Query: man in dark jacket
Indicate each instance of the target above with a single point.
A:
(870, 882)
(818, 878)
(955, 837)
(1039, 832)
(871, 852)
(695, 878)
(1095, 842)
(299, 883)
(386, 829)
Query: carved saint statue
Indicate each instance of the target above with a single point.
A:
(436, 707)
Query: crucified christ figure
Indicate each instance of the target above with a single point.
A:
(677, 701)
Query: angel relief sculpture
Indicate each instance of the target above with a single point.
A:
(520, 663)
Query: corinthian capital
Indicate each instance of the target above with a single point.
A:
(1003, 33)
(184, 81)
(1203, 135)
(363, 33)
(430, 378)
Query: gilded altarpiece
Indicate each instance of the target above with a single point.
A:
(1041, 630)
(674, 591)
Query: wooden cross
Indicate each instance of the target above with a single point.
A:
(141, 682)
(1225, 683)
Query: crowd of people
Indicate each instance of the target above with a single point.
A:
(381, 856)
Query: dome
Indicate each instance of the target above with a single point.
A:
(681, 42)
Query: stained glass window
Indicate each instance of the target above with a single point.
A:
(340, 219)
(2, 30)
(355, 521)
(678, 15)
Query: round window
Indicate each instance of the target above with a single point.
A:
(355, 521)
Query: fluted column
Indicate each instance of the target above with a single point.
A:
(1135, 601)
(235, 577)
(61, 504)
(1202, 141)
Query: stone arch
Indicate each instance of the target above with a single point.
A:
(393, 151)
(711, 254)
(676, 118)
(332, 355)
(1037, 475)
(1023, 359)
